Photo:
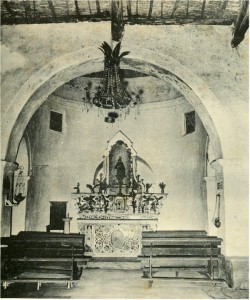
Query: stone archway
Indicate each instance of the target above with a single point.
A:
(44, 82)
(47, 80)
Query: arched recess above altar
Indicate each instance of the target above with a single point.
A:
(120, 146)
(118, 205)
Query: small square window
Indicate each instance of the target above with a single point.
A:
(55, 121)
(190, 122)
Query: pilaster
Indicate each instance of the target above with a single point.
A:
(8, 168)
(219, 201)
(236, 206)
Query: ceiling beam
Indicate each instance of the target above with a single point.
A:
(78, 10)
(140, 21)
(242, 24)
(98, 7)
(175, 7)
(161, 9)
(34, 11)
(224, 5)
(67, 6)
(27, 11)
(151, 4)
(67, 9)
(129, 9)
(187, 8)
(223, 8)
(117, 21)
(137, 7)
(9, 10)
(203, 8)
(52, 9)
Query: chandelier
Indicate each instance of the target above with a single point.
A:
(113, 92)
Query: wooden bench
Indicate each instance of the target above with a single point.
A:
(43, 257)
(181, 255)
(39, 281)
(42, 244)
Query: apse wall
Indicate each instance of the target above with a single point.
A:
(71, 156)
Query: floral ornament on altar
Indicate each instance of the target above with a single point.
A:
(77, 188)
(162, 186)
(148, 186)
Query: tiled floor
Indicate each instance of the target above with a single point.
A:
(98, 283)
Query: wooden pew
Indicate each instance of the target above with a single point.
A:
(42, 244)
(181, 255)
(40, 272)
(43, 257)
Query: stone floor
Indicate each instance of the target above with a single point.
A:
(105, 284)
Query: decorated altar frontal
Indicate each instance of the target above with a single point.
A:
(119, 205)
(116, 232)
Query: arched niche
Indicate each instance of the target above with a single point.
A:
(120, 136)
(119, 148)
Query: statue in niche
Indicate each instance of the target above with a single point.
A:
(117, 173)
(120, 173)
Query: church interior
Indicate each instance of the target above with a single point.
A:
(124, 148)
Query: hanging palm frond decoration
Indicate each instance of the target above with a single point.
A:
(112, 57)
(112, 94)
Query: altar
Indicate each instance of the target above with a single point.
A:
(118, 206)
(114, 235)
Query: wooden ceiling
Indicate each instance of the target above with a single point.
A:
(168, 12)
